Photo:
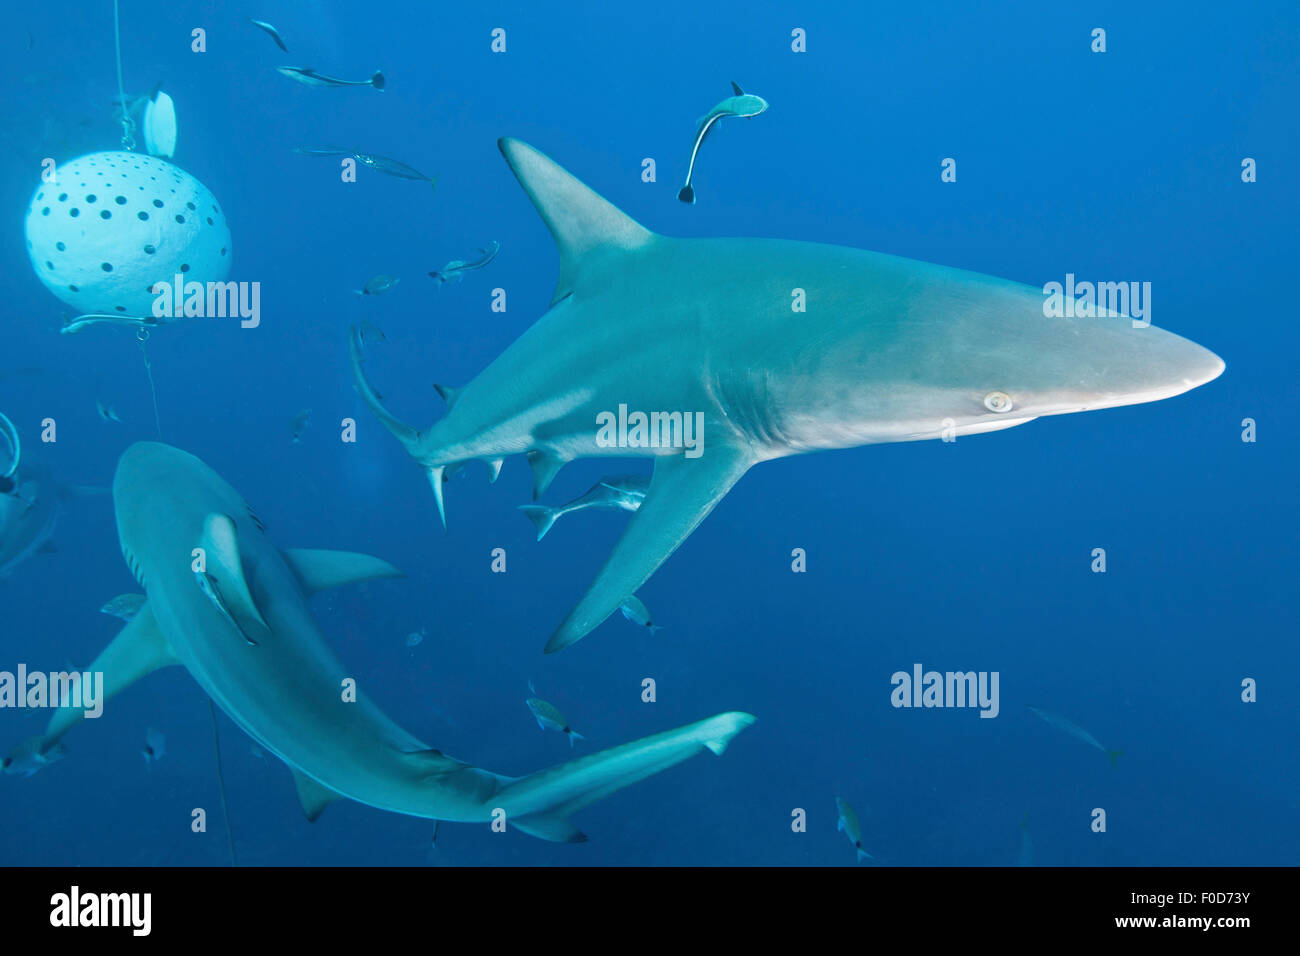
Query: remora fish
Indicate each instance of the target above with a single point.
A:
(309, 77)
(634, 610)
(285, 692)
(299, 424)
(848, 823)
(270, 31)
(1074, 730)
(742, 104)
(155, 746)
(456, 268)
(889, 350)
(616, 491)
(124, 606)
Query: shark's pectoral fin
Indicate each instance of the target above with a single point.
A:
(321, 570)
(682, 492)
(220, 543)
(550, 826)
(584, 224)
(404, 433)
(313, 796)
(138, 650)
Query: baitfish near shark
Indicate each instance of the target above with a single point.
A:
(687, 331)
(286, 690)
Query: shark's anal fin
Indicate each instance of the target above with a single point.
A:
(582, 222)
(313, 796)
(550, 826)
(321, 570)
(138, 650)
(682, 492)
(220, 543)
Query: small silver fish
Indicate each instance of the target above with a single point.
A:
(94, 318)
(415, 638)
(742, 104)
(393, 167)
(271, 31)
(371, 332)
(377, 286)
(124, 606)
(212, 590)
(107, 412)
(550, 718)
(456, 268)
(155, 746)
(299, 424)
(848, 822)
(635, 611)
(29, 757)
(309, 77)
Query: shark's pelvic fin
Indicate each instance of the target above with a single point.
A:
(546, 464)
(682, 493)
(313, 796)
(321, 570)
(220, 543)
(584, 224)
(138, 650)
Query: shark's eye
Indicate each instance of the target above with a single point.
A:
(997, 402)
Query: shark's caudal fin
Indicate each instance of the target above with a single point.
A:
(682, 493)
(542, 517)
(1114, 756)
(540, 804)
(585, 226)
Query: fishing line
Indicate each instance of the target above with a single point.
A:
(128, 125)
(142, 336)
(221, 781)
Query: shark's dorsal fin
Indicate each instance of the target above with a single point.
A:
(313, 796)
(584, 224)
(221, 546)
(320, 570)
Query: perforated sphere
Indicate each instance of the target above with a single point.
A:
(115, 223)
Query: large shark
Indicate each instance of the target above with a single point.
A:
(777, 348)
(231, 608)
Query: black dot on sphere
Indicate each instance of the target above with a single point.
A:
(45, 211)
(73, 288)
(223, 250)
(120, 200)
(142, 215)
(185, 267)
(49, 264)
(180, 218)
(157, 203)
(150, 249)
(74, 212)
(105, 214)
(106, 266)
(209, 220)
(63, 197)
(188, 205)
(120, 308)
(60, 246)
(90, 197)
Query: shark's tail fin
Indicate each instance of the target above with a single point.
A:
(377, 80)
(1114, 755)
(31, 755)
(540, 803)
(407, 435)
(687, 194)
(542, 517)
